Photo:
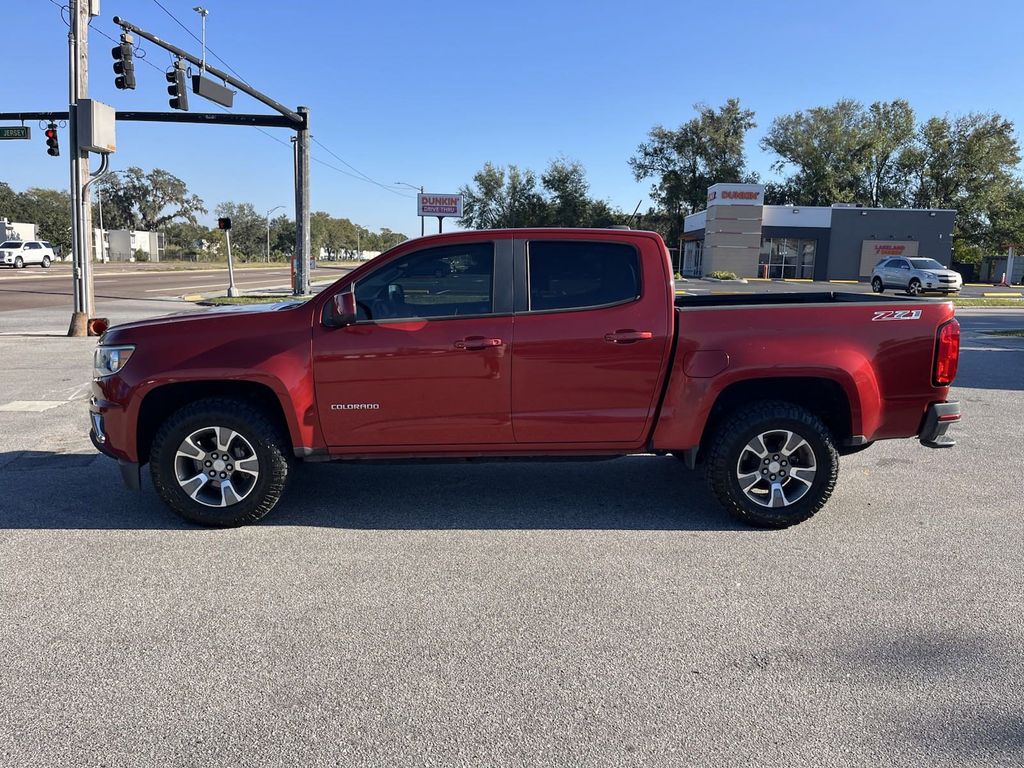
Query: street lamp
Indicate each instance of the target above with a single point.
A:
(275, 208)
(204, 13)
(420, 190)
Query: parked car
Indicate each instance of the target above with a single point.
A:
(21, 253)
(915, 276)
(547, 343)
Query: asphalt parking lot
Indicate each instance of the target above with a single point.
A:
(598, 613)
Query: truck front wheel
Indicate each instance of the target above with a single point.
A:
(219, 462)
(772, 464)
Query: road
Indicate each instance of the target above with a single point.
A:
(597, 613)
(30, 297)
(34, 287)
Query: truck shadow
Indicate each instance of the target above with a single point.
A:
(45, 490)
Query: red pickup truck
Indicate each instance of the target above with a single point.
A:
(513, 343)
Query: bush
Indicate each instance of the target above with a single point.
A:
(722, 275)
(141, 255)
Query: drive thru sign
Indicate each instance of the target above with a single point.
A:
(439, 205)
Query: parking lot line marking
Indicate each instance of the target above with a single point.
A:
(30, 406)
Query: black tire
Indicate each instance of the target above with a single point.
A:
(19, 263)
(877, 286)
(727, 450)
(46, 262)
(269, 446)
(914, 287)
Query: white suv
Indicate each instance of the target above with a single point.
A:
(915, 276)
(18, 254)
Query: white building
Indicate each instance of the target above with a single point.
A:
(126, 245)
(16, 230)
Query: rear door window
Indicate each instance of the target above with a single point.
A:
(579, 275)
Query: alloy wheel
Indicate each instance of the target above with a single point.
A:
(776, 468)
(216, 466)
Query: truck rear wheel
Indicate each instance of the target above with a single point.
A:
(219, 462)
(772, 464)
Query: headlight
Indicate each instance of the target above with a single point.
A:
(107, 361)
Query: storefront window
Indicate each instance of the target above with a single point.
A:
(693, 256)
(787, 257)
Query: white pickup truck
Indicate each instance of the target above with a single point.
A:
(19, 253)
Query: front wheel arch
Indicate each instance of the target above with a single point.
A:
(159, 403)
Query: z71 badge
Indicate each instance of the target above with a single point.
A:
(897, 314)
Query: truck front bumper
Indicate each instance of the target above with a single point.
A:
(937, 420)
(102, 417)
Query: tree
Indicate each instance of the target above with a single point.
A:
(828, 148)
(509, 197)
(969, 163)
(282, 237)
(704, 150)
(50, 211)
(248, 230)
(569, 202)
(147, 201)
(502, 197)
(889, 131)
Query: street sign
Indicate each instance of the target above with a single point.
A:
(439, 205)
(15, 132)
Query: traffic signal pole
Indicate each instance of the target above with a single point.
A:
(300, 283)
(297, 120)
(81, 214)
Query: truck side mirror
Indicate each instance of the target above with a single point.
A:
(343, 306)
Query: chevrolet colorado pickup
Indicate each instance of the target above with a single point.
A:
(523, 343)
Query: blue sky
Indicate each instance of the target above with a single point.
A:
(427, 92)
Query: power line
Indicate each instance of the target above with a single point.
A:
(361, 175)
(357, 175)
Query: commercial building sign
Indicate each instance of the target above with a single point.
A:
(873, 251)
(429, 204)
(736, 194)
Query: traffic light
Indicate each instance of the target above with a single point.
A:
(176, 87)
(52, 144)
(124, 65)
(224, 223)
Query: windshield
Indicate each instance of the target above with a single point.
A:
(926, 264)
(11, 244)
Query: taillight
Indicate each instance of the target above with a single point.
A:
(947, 354)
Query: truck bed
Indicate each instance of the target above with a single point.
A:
(815, 297)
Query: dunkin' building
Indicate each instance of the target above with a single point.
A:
(738, 233)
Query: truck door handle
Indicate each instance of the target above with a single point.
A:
(478, 342)
(628, 336)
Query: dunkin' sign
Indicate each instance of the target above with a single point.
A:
(429, 204)
(736, 194)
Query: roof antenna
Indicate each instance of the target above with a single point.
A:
(630, 220)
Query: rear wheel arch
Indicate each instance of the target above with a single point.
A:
(163, 401)
(826, 398)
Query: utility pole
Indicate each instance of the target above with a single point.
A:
(81, 213)
(300, 283)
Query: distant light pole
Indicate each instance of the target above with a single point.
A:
(276, 208)
(420, 189)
